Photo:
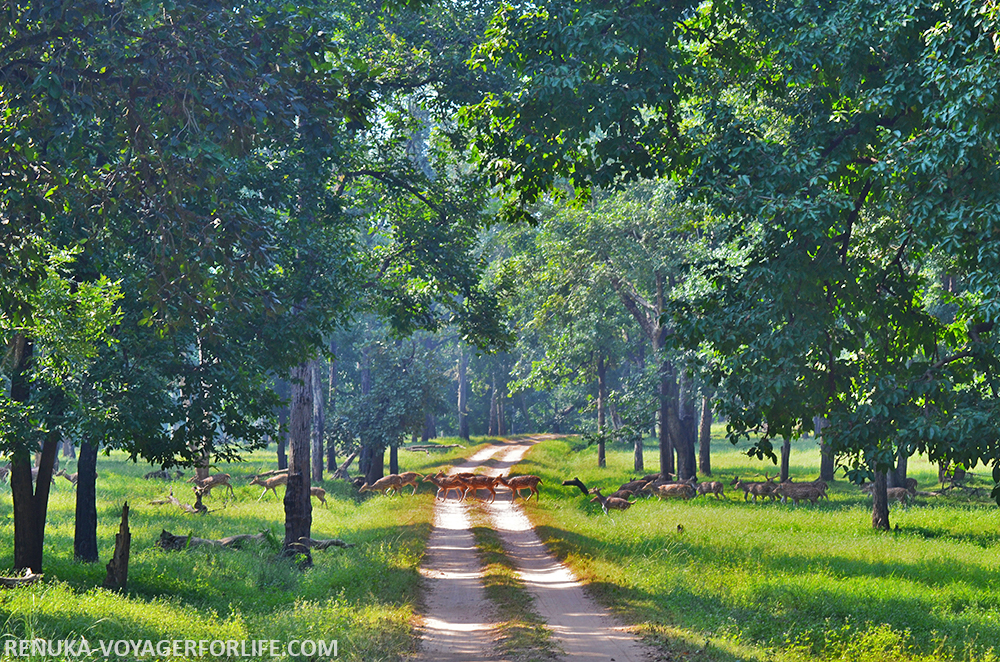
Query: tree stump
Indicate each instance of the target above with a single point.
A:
(117, 578)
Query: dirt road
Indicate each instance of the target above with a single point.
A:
(457, 626)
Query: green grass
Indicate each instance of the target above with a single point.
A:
(365, 596)
(742, 582)
(775, 582)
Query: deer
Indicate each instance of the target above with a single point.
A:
(609, 502)
(758, 489)
(482, 482)
(409, 478)
(73, 478)
(518, 483)
(711, 487)
(207, 484)
(317, 492)
(447, 484)
(270, 484)
(675, 491)
(383, 485)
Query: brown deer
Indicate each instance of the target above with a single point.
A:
(609, 502)
(269, 484)
(446, 483)
(383, 485)
(205, 485)
(518, 483)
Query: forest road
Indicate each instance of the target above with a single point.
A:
(458, 624)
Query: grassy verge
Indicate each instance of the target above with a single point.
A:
(775, 582)
(521, 631)
(364, 597)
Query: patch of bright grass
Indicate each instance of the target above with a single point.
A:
(772, 581)
(364, 596)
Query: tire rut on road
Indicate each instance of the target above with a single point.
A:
(458, 625)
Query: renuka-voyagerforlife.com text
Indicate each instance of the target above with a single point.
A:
(189, 648)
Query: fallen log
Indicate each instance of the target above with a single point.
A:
(431, 447)
(341, 472)
(324, 544)
(172, 500)
(171, 542)
(13, 582)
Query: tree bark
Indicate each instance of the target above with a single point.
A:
(117, 577)
(298, 505)
(827, 470)
(666, 445)
(376, 465)
(68, 450)
(786, 451)
(331, 405)
(705, 437)
(30, 502)
(85, 534)
(494, 413)
(637, 462)
(687, 460)
(897, 477)
(602, 398)
(430, 427)
(463, 393)
(880, 503)
(318, 422)
(394, 459)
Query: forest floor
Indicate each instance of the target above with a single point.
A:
(461, 625)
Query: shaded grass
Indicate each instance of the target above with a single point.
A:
(364, 596)
(775, 582)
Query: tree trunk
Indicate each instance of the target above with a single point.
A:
(786, 450)
(880, 503)
(30, 502)
(331, 405)
(666, 444)
(430, 427)
(283, 392)
(524, 411)
(364, 459)
(117, 577)
(637, 462)
(602, 398)
(318, 422)
(85, 535)
(463, 393)
(298, 507)
(68, 450)
(376, 465)
(31, 506)
(686, 460)
(501, 417)
(494, 413)
(394, 459)
(897, 477)
(705, 438)
(827, 470)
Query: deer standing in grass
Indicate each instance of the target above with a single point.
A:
(390, 482)
(409, 478)
(270, 484)
(205, 486)
(610, 502)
